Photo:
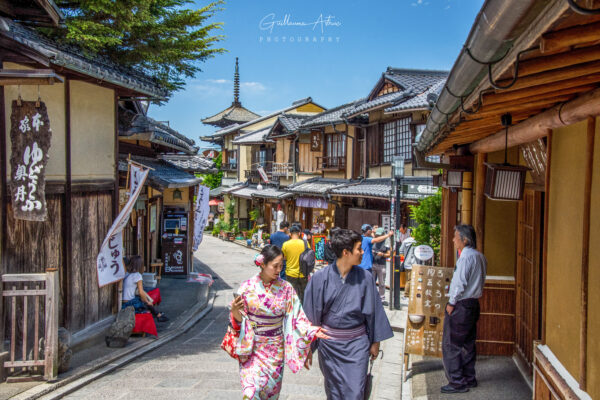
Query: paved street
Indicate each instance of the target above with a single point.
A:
(194, 366)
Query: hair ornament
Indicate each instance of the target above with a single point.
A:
(259, 259)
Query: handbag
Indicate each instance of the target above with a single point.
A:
(229, 340)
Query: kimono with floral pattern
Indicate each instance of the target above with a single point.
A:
(262, 372)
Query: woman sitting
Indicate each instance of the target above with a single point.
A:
(132, 281)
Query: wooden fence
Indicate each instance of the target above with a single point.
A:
(23, 292)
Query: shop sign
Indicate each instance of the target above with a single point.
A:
(201, 213)
(423, 252)
(30, 135)
(263, 174)
(221, 207)
(315, 141)
(311, 202)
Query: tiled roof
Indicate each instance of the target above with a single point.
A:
(424, 100)
(291, 122)
(248, 192)
(74, 59)
(389, 98)
(366, 188)
(416, 79)
(236, 114)
(333, 115)
(163, 175)
(254, 137)
(222, 132)
(192, 163)
(131, 124)
(317, 186)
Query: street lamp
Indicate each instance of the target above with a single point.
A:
(397, 194)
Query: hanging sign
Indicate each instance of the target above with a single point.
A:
(311, 202)
(263, 174)
(423, 252)
(30, 135)
(201, 214)
(109, 262)
(315, 141)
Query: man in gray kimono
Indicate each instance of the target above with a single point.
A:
(343, 299)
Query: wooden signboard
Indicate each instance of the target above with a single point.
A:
(315, 141)
(30, 135)
(427, 300)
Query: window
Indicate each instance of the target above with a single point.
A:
(336, 145)
(397, 140)
(373, 140)
(232, 158)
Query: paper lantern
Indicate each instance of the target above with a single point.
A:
(505, 181)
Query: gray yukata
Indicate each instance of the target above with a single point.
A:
(345, 304)
(460, 327)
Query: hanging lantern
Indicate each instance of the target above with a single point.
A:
(505, 181)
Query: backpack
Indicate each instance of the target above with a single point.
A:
(329, 255)
(307, 260)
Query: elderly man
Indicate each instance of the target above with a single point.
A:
(462, 313)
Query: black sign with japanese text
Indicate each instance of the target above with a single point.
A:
(30, 135)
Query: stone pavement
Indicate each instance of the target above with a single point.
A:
(194, 366)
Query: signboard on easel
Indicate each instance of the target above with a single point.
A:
(428, 296)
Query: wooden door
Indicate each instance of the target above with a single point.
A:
(527, 277)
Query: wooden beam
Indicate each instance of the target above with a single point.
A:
(585, 250)
(535, 127)
(565, 38)
(50, 10)
(544, 78)
(559, 60)
(531, 102)
(499, 96)
(480, 200)
(3, 203)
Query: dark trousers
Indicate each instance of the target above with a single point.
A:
(299, 285)
(458, 343)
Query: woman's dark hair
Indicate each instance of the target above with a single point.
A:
(135, 264)
(467, 232)
(344, 239)
(270, 252)
(334, 231)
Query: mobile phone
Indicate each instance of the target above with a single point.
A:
(235, 295)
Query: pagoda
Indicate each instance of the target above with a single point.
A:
(235, 114)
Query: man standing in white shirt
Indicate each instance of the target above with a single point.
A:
(462, 313)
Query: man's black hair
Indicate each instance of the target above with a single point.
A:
(295, 229)
(344, 239)
(284, 224)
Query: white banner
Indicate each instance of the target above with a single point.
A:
(263, 174)
(109, 263)
(200, 215)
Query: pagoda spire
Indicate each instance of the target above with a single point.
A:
(236, 84)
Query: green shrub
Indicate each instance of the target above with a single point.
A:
(428, 215)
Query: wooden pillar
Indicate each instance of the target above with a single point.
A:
(480, 200)
(67, 216)
(3, 202)
(467, 198)
(545, 243)
(585, 251)
(449, 204)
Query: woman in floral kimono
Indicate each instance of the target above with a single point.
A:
(273, 328)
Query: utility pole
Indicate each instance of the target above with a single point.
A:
(396, 214)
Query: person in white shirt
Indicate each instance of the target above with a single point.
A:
(132, 281)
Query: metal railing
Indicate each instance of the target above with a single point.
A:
(336, 162)
(283, 169)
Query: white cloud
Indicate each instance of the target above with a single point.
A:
(253, 86)
(218, 81)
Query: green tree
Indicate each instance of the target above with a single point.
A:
(213, 181)
(428, 215)
(161, 37)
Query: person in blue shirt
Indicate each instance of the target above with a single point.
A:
(279, 238)
(367, 245)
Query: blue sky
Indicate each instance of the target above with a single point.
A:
(350, 43)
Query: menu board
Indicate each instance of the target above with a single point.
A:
(428, 296)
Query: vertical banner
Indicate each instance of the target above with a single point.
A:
(109, 262)
(30, 135)
(201, 215)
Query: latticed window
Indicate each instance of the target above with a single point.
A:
(397, 140)
(336, 145)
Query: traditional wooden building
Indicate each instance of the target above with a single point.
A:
(81, 175)
(536, 61)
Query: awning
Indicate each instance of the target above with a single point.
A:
(214, 202)
(413, 187)
(163, 175)
(316, 186)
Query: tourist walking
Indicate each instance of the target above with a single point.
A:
(291, 251)
(462, 313)
(381, 252)
(342, 298)
(279, 238)
(273, 329)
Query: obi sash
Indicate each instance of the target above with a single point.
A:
(345, 334)
(264, 325)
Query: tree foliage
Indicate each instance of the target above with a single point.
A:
(213, 181)
(161, 37)
(428, 215)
